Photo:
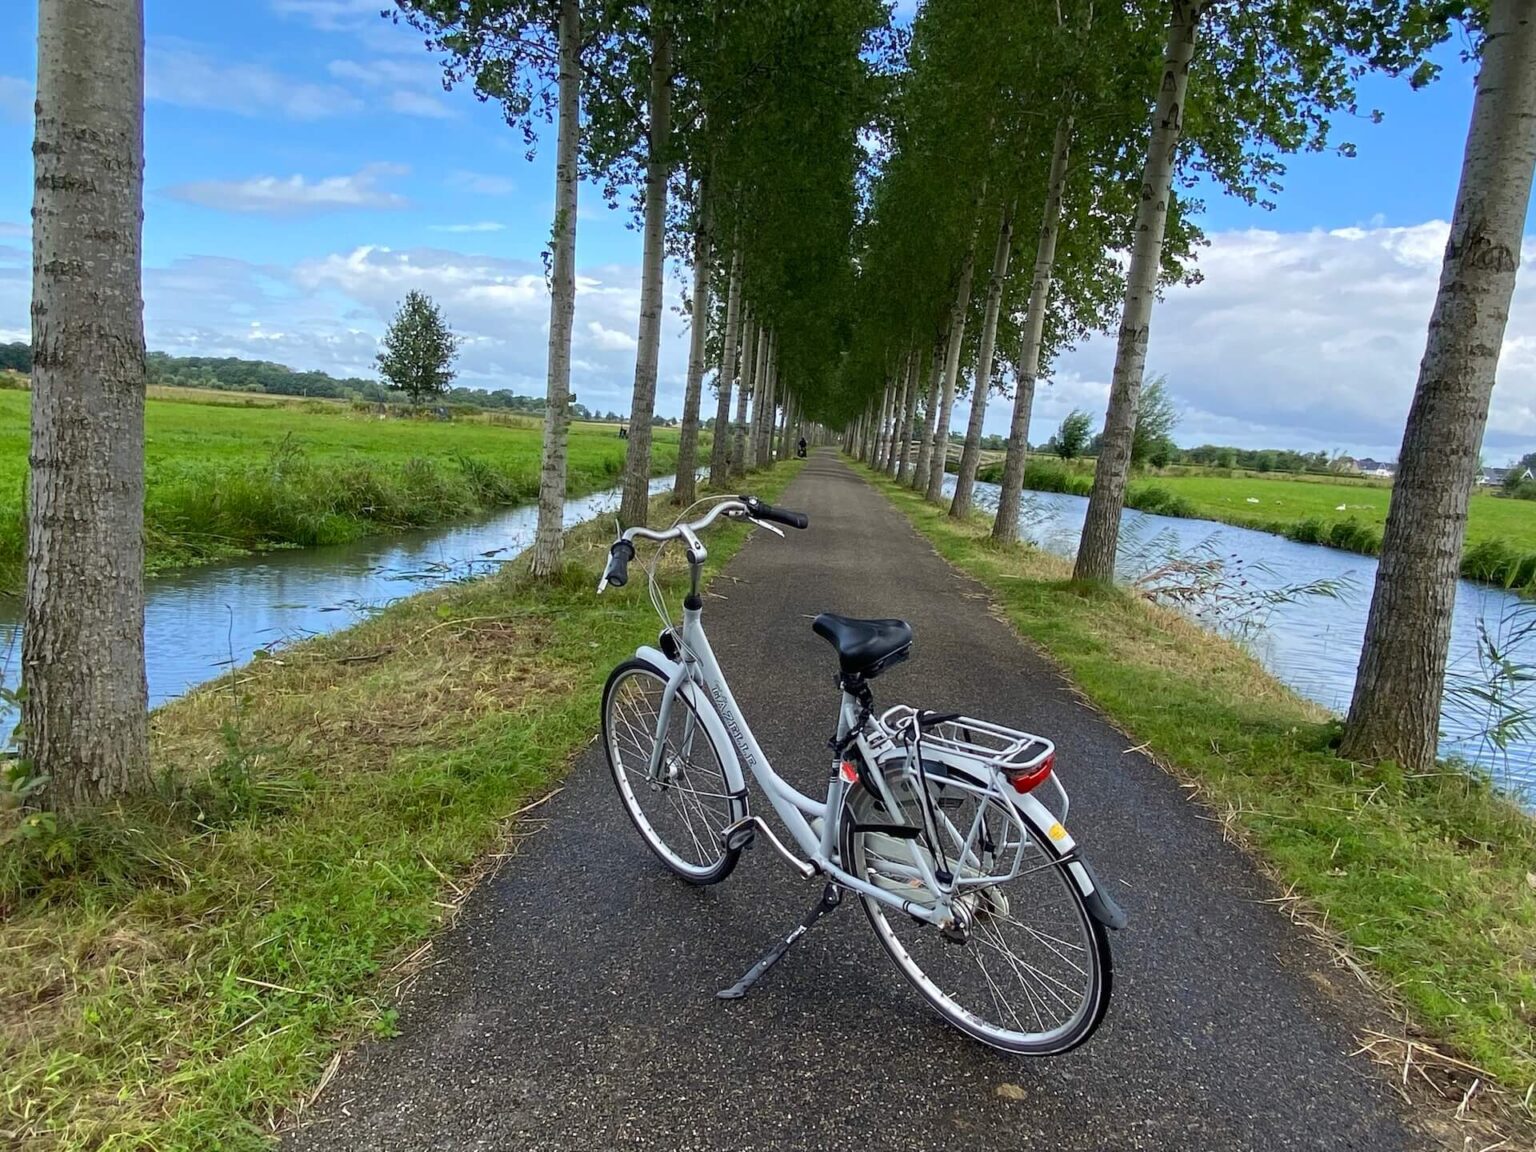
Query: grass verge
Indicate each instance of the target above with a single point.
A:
(1501, 532)
(177, 972)
(1427, 882)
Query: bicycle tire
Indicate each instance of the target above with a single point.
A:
(860, 852)
(697, 801)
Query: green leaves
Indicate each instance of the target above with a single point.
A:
(419, 349)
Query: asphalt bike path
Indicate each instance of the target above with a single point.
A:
(573, 1005)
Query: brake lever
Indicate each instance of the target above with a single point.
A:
(774, 528)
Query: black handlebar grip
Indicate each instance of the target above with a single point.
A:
(619, 557)
(761, 511)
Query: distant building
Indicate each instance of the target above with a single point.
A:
(1371, 467)
(1500, 476)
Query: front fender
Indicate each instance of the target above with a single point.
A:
(674, 673)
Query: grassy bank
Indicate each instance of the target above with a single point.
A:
(228, 475)
(178, 973)
(1427, 881)
(1501, 533)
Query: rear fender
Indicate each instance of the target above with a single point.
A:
(1101, 905)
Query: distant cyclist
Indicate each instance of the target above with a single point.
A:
(800, 449)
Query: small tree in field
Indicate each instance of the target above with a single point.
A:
(1152, 441)
(419, 349)
(1072, 437)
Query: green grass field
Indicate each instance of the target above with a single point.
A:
(1265, 502)
(1501, 532)
(228, 474)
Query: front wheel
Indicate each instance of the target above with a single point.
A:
(1028, 969)
(681, 809)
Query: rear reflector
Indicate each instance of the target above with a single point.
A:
(1027, 781)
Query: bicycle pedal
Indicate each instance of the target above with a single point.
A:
(739, 836)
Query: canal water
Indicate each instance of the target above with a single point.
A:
(1312, 642)
(200, 621)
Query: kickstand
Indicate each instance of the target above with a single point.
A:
(831, 897)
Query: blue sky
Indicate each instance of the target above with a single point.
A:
(305, 167)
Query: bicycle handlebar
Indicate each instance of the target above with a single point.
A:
(622, 550)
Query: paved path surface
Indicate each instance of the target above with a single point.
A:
(574, 1005)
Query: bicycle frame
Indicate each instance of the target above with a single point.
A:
(698, 675)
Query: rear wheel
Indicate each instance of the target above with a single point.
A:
(1027, 969)
(681, 811)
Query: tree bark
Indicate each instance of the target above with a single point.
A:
(720, 450)
(1395, 712)
(898, 413)
(939, 457)
(970, 456)
(1005, 525)
(770, 404)
(84, 712)
(904, 450)
(930, 415)
(1101, 528)
(549, 536)
(635, 505)
(882, 425)
(749, 359)
(685, 484)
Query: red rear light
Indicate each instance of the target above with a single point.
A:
(1027, 781)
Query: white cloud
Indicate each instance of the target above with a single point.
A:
(178, 73)
(480, 226)
(9, 229)
(501, 306)
(414, 87)
(482, 183)
(1308, 340)
(296, 194)
(331, 15)
(16, 97)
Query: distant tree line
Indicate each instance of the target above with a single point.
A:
(233, 374)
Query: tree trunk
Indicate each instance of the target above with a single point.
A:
(720, 450)
(751, 369)
(550, 534)
(685, 484)
(1101, 528)
(930, 416)
(970, 456)
(893, 414)
(882, 425)
(769, 406)
(635, 506)
(1395, 712)
(898, 414)
(904, 449)
(749, 358)
(84, 712)
(939, 458)
(1005, 525)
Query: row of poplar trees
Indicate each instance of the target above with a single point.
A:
(1035, 190)
(730, 126)
(871, 215)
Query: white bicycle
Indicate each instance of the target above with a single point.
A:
(971, 882)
